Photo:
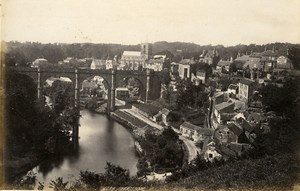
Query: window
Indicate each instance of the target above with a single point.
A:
(210, 155)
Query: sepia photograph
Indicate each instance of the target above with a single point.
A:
(150, 95)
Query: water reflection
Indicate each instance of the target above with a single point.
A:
(101, 139)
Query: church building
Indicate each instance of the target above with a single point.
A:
(135, 60)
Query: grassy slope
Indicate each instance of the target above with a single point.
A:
(273, 172)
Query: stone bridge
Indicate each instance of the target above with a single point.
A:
(150, 80)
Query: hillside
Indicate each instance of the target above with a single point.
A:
(277, 172)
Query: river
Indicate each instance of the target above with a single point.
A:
(101, 139)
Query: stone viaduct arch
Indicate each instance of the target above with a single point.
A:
(151, 81)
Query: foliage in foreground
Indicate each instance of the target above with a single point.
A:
(270, 171)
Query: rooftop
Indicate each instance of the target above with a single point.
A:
(199, 129)
(98, 62)
(243, 58)
(152, 61)
(187, 61)
(165, 111)
(235, 128)
(233, 87)
(223, 105)
(131, 53)
(247, 81)
(224, 63)
(245, 124)
(252, 64)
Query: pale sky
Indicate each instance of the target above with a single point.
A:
(227, 22)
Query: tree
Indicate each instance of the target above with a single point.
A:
(91, 180)
(58, 184)
(115, 175)
(169, 134)
(294, 55)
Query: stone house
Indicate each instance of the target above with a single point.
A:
(194, 132)
(165, 116)
(185, 68)
(223, 66)
(211, 154)
(233, 89)
(225, 135)
(98, 64)
(217, 152)
(158, 117)
(224, 107)
(246, 88)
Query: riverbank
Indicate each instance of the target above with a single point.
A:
(17, 167)
(135, 126)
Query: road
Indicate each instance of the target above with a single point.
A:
(192, 149)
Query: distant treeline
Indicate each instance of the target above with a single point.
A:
(21, 53)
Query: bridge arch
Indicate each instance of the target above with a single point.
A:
(94, 87)
(150, 80)
(134, 85)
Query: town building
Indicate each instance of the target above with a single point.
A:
(135, 60)
(284, 63)
(199, 78)
(210, 57)
(39, 62)
(232, 90)
(122, 93)
(246, 88)
(185, 68)
(165, 116)
(157, 117)
(98, 64)
(111, 64)
(221, 109)
(157, 64)
(194, 132)
(223, 66)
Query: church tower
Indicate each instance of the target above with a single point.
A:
(146, 50)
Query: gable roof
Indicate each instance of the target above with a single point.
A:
(257, 117)
(253, 64)
(152, 61)
(243, 58)
(189, 125)
(247, 81)
(223, 63)
(165, 111)
(187, 61)
(235, 128)
(131, 53)
(227, 116)
(223, 150)
(223, 105)
(237, 147)
(245, 124)
(98, 62)
(233, 87)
